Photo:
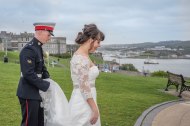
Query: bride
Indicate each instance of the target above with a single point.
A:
(82, 109)
(83, 106)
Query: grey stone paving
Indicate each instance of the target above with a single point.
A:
(172, 113)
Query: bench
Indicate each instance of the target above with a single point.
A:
(177, 80)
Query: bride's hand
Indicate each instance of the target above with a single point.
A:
(94, 117)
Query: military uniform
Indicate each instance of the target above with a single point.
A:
(33, 71)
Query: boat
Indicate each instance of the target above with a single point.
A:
(150, 61)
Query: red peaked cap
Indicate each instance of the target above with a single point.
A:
(45, 26)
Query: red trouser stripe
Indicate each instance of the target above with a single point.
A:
(26, 113)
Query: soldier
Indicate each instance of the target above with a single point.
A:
(33, 71)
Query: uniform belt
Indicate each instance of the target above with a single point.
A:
(77, 86)
(39, 75)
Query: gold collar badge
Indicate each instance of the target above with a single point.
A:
(29, 61)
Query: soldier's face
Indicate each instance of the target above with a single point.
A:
(46, 36)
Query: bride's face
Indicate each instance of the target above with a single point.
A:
(94, 45)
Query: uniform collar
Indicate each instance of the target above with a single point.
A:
(37, 42)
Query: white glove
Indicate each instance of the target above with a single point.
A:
(50, 87)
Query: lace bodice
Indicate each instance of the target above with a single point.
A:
(83, 76)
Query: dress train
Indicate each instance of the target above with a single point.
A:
(56, 107)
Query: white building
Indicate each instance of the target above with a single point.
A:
(159, 48)
(19, 41)
(5, 39)
(57, 45)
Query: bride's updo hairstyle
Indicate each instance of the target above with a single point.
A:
(89, 31)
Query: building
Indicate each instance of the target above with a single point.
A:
(57, 45)
(71, 48)
(6, 38)
(19, 41)
(15, 42)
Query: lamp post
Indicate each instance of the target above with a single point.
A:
(6, 48)
(5, 56)
(5, 43)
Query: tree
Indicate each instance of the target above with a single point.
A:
(128, 67)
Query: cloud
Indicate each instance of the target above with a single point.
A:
(122, 21)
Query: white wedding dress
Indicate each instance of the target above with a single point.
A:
(57, 110)
(83, 77)
(56, 106)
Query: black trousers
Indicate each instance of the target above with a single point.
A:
(32, 113)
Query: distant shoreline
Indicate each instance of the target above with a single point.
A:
(145, 58)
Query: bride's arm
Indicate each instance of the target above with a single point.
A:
(82, 69)
(95, 110)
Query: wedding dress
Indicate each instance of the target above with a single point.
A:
(56, 106)
(83, 77)
(57, 110)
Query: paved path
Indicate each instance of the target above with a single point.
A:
(175, 115)
(172, 113)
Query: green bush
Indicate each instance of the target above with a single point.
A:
(64, 55)
(159, 74)
(128, 67)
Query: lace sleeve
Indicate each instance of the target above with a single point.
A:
(82, 68)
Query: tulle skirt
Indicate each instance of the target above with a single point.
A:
(56, 107)
(80, 110)
(58, 112)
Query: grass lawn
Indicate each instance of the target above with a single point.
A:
(13, 56)
(121, 98)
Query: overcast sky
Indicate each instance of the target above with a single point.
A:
(122, 21)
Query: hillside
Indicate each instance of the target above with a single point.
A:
(121, 98)
(168, 44)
